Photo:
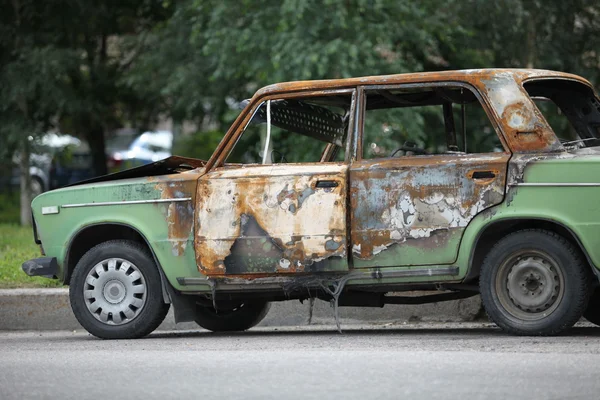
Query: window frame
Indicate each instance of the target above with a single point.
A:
(232, 138)
(362, 91)
(534, 79)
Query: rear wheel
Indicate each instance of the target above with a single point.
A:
(116, 291)
(240, 318)
(534, 282)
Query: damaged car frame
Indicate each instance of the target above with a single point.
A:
(319, 190)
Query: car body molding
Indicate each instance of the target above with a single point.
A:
(117, 203)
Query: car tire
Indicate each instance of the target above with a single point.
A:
(116, 292)
(241, 318)
(534, 282)
(592, 311)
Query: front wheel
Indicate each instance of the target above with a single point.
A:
(534, 282)
(240, 318)
(116, 292)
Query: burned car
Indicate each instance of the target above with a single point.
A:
(323, 189)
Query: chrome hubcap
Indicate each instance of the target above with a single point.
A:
(115, 291)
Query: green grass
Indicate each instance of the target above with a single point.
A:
(16, 246)
(9, 207)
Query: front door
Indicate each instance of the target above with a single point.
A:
(272, 219)
(278, 205)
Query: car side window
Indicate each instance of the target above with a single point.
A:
(294, 130)
(426, 120)
(571, 109)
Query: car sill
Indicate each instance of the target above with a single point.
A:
(234, 283)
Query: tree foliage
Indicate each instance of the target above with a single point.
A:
(61, 63)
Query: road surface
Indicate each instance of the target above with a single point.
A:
(441, 361)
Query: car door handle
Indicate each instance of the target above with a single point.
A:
(327, 184)
(483, 175)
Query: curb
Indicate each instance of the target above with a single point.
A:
(49, 309)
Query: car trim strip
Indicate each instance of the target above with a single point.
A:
(232, 282)
(557, 184)
(118, 203)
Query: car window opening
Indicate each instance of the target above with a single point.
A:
(424, 121)
(571, 109)
(295, 130)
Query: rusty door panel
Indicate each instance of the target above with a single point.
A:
(413, 210)
(272, 219)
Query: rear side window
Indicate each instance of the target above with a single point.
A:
(571, 108)
(409, 121)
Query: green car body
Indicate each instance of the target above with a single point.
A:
(339, 228)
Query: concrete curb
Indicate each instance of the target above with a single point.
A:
(49, 309)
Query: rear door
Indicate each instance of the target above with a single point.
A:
(432, 161)
(413, 210)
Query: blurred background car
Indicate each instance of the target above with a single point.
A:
(129, 150)
(56, 160)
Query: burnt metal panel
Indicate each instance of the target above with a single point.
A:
(179, 215)
(499, 84)
(272, 219)
(413, 210)
(524, 127)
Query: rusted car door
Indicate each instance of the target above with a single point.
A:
(412, 210)
(272, 219)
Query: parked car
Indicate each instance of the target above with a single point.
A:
(56, 160)
(127, 151)
(315, 192)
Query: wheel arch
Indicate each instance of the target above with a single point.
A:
(497, 229)
(91, 235)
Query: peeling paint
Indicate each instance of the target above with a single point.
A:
(179, 215)
(400, 202)
(268, 214)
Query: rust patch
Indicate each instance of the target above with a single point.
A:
(292, 198)
(179, 215)
(485, 80)
(416, 203)
(271, 219)
(524, 127)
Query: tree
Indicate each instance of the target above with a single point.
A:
(213, 53)
(61, 64)
(549, 34)
(108, 38)
(32, 89)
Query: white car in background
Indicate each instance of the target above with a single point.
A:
(127, 151)
(56, 160)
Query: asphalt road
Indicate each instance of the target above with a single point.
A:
(444, 361)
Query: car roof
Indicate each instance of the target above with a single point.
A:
(471, 75)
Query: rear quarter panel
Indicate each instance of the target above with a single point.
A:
(576, 207)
